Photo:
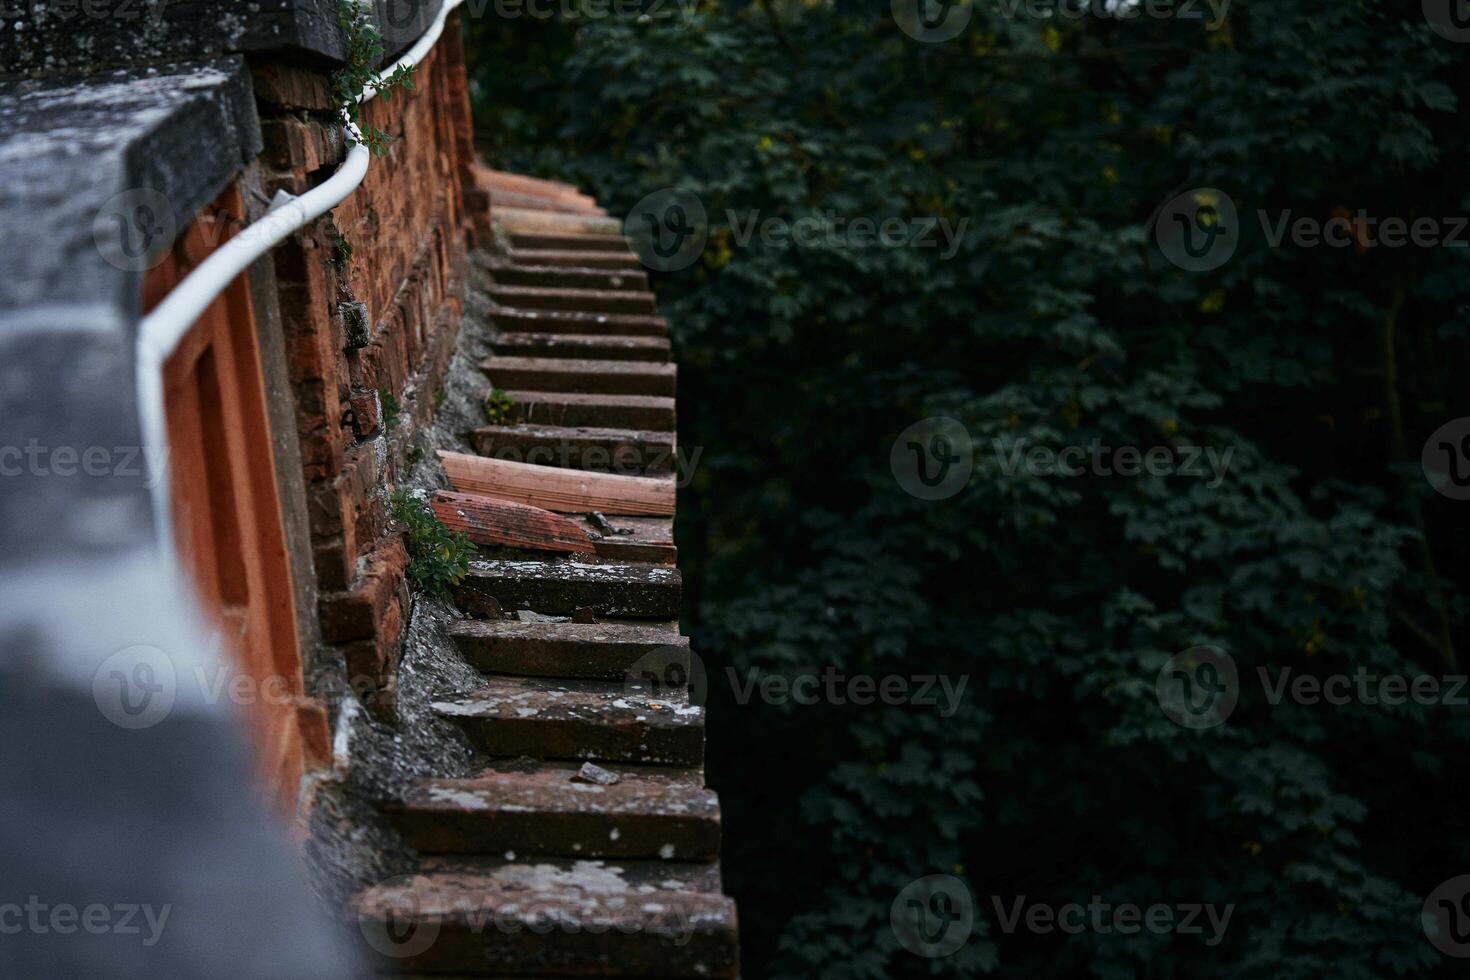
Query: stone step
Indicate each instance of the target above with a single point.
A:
(502, 198)
(552, 918)
(632, 452)
(607, 348)
(585, 300)
(648, 813)
(580, 323)
(523, 184)
(597, 411)
(564, 649)
(648, 539)
(558, 374)
(560, 587)
(535, 221)
(570, 242)
(578, 258)
(554, 718)
(559, 276)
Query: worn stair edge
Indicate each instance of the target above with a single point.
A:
(565, 241)
(576, 258)
(609, 347)
(581, 376)
(598, 411)
(501, 198)
(643, 539)
(628, 452)
(515, 273)
(546, 812)
(578, 322)
(547, 718)
(534, 221)
(545, 919)
(561, 588)
(491, 178)
(568, 298)
(586, 650)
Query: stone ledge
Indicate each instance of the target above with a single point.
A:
(90, 35)
(68, 316)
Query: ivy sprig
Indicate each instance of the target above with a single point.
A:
(364, 51)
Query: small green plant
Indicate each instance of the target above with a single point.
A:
(391, 408)
(341, 253)
(439, 398)
(364, 51)
(415, 454)
(499, 407)
(440, 558)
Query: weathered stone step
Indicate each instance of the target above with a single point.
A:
(649, 539)
(502, 198)
(579, 258)
(587, 300)
(563, 242)
(547, 718)
(598, 411)
(561, 587)
(574, 322)
(534, 221)
(606, 348)
(551, 918)
(559, 276)
(524, 184)
(586, 650)
(557, 374)
(641, 875)
(648, 813)
(628, 451)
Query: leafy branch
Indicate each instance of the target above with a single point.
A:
(364, 51)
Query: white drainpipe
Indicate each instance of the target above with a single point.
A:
(160, 331)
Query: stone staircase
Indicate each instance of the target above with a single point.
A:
(586, 843)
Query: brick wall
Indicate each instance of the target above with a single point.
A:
(368, 338)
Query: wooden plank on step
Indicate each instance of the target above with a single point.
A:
(564, 490)
(490, 521)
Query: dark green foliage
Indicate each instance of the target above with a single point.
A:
(341, 253)
(499, 406)
(391, 408)
(440, 558)
(364, 52)
(1058, 322)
